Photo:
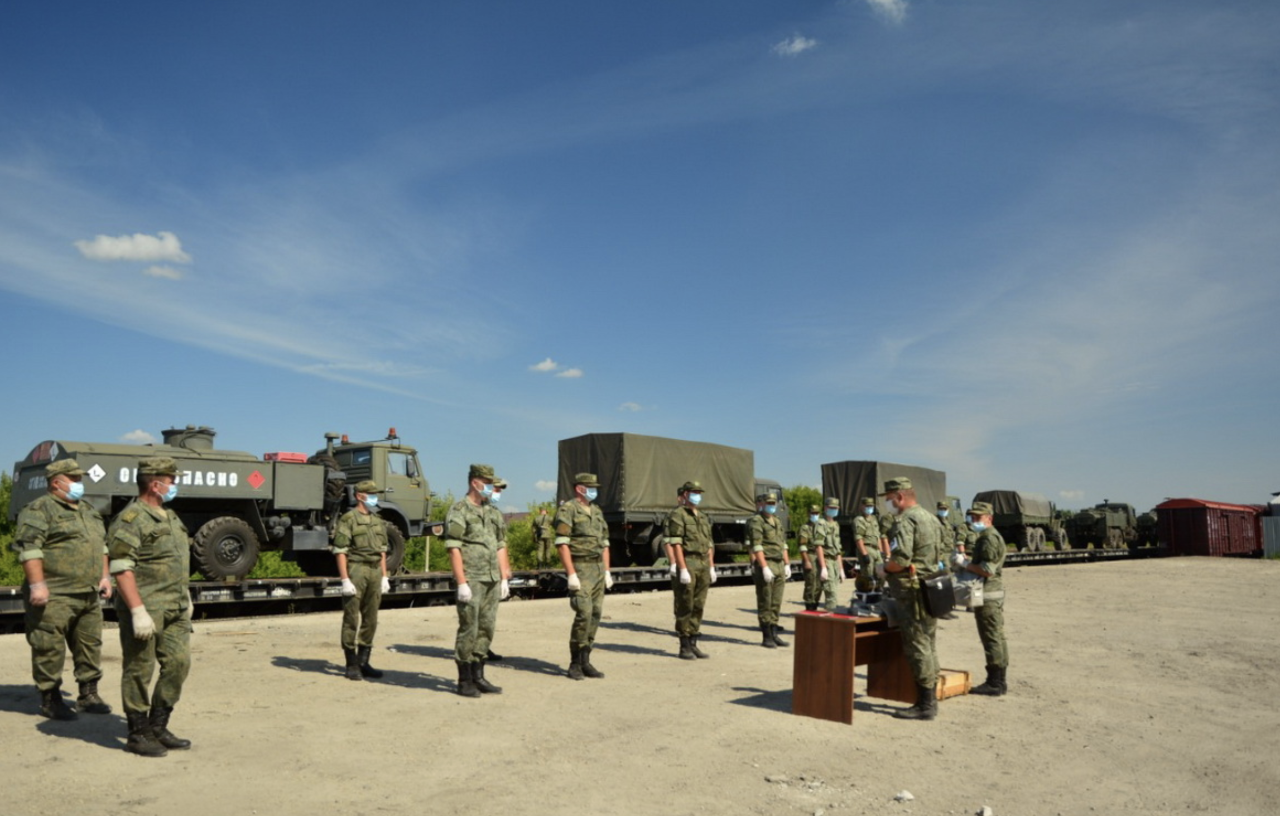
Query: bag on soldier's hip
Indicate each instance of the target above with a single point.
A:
(939, 595)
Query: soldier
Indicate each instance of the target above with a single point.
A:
(582, 536)
(542, 534)
(807, 535)
(688, 532)
(830, 555)
(948, 540)
(150, 558)
(499, 485)
(771, 565)
(478, 557)
(914, 556)
(988, 562)
(360, 547)
(867, 541)
(61, 544)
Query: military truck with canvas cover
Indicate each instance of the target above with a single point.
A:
(852, 481)
(639, 478)
(1027, 521)
(1108, 525)
(236, 504)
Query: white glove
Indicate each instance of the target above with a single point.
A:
(191, 605)
(143, 626)
(959, 561)
(714, 576)
(464, 592)
(674, 569)
(574, 583)
(822, 574)
(348, 588)
(880, 571)
(768, 574)
(505, 591)
(386, 584)
(685, 577)
(786, 572)
(39, 593)
(608, 579)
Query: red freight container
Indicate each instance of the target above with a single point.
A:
(283, 456)
(1199, 527)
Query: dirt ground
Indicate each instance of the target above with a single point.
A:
(1143, 687)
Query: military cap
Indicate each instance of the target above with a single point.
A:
(586, 480)
(368, 487)
(769, 498)
(832, 501)
(481, 472)
(63, 467)
(157, 466)
(813, 508)
(868, 502)
(691, 487)
(895, 484)
(943, 506)
(499, 484)
(981, 509)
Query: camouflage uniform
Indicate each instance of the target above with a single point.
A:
(691, 530)
(582, 531)
(70, 540)
(809, 535)
(916, 536)
(867, 528)
(833, 552)
(989, 553)
(946, 542)
(476, 531)
(362, 538)
(765, 535)
(542, 534)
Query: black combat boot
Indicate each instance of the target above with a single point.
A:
(477, 674)
(773, 632)
(353, 664)
(493, 657)
(766, 639)
(141, 740)
(811, 607)
(575, 663)
(466, 686)
(686, 648)
(160, 730)
(995, 685)
(693, 647)
(926, 707)
(54, 707)
(364, 652)
(89, 701)
(584, 659)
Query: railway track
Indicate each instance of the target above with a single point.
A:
(288, 596)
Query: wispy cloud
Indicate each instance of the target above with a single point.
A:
(545, 486)
(137, 437)
(163, 246)
(546, 365)
(630, 406)
(167, 272)
(794, 46)
(891, 11)
(570, 373)
(1071, 495)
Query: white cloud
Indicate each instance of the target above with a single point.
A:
(545, 486)
(163, 272)
(546, 365)
(891, 11)
(630, 406)
(1071, 495)
(138, 437)
(163, 246)
(794, 46)
(571, 373)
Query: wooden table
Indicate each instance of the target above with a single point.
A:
(827, 648)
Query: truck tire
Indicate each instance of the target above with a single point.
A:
(395, 549)
(317, 563)
(225, 547)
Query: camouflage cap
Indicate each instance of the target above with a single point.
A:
(895, 484)
(499, 484)
(832, 501)
(693, 486)
(943, 506)
(813, 508)
(63, 467)
(480, 472)
(157, 466)
(586, 480)
(981, 509)
(368, 486)
(767, 498)
(868, 502)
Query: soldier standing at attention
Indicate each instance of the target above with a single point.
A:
(360, 547)
(499, 485)
(582, 536)
(688, 532)
(830, 555)
(477, 555)
(988, 561)
(771, 566)
(150, 555)
(866, 540)
(542, 534)
(913, 557)
(62, 546)
(948, 543)
(808, 535)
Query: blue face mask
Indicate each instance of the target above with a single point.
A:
(495, 496)
(172, 493)
(977, 525)
(813, 517)
(591, 494)
(695, 499)
(832, 512)
(486, 490)
(371, 502)
(771, 508)
(867, 511)
(74, 491)
(942, 514)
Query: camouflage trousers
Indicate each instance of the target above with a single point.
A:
(360, 611)
(815, 588)
(919, 635)
(990, 618)
(769, 593)
(546, 552)
(73, 620)
(477, 621)
(170, 647)
(866, 580)
(691, 598)
(587, 603)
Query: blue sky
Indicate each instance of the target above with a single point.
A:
(1032, 244)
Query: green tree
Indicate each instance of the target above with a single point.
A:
(799, 499)
(10, 569)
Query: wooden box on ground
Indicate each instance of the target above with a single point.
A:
(952, 683)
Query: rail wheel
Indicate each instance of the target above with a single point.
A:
(225, 547)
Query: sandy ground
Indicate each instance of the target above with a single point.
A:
(1145, 687)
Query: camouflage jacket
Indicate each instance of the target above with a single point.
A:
(988, 553)
(69, 539)
(867, 528)
(582, 528)
(477, 532)
(917, 538)
(823, 534)
(765, 534)
(542, 528)
(689, 529)
(361, 537)
(152, 543)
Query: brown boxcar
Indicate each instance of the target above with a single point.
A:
(1200, 527)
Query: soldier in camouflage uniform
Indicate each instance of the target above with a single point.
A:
(807, 539)
(543, 535)
(688, 532)
(360, 546)
(914, 556)
(830, 555)
(499, 485)
(478, 557)
(582, 536)
(61, 544)
(771, 565)
(867, 540)
(150, 555)
(948, 540)
(988, 554)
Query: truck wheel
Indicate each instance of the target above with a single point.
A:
(225, 548)
(318, 563)
(395, 549)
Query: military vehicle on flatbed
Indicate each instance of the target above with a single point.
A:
(1027, 521)
(1108, 525)
(236, 504)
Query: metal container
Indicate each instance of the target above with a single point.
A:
(1200, 527)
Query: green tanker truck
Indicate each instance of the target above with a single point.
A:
(236, 504)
